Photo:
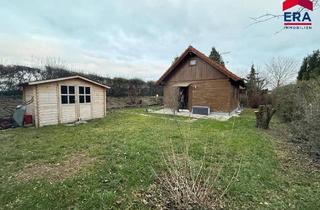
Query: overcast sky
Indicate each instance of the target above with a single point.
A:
(141, 38)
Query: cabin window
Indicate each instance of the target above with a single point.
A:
(67, 94)
(84, 94)
(193, 62)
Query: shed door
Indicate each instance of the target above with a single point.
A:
(85, 111)
(68, 109)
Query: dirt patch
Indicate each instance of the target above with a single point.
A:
(58, 171)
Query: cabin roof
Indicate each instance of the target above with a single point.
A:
(62, 79)
(202, 56)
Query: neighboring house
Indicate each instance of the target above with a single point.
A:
(65, 100)
(196, 80)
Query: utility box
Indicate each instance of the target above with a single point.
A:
(202, 110)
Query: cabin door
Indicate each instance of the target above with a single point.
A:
(183, 97)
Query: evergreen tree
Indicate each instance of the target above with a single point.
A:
(255, 84)
(215, 55)
(255, 88)
(310, 67)
(251, 81)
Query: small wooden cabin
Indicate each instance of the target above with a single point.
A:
(197, 81)
(65, 100)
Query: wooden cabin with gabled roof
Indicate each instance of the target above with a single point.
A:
(65, 100)
(197, 81)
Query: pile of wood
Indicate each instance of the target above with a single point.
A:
(6, 123)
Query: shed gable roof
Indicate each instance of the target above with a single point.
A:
(203, 57)
(65, 78)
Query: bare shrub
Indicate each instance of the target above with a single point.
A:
(287, 101)
(299, 106)
(244, 100)
(173, 100)
(187, 184)
(306, 127)
(259, 99)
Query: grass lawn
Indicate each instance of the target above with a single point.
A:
(103, 164)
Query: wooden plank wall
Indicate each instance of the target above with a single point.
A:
(201, 71)
(48, 110)
(98, 98)
(209, 86)
(47, 104)
(213, 93)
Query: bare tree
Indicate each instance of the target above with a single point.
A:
(281, 71)
(173, 100)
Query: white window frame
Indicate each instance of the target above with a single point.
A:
(67, 94)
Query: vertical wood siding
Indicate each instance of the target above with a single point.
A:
(201, 71)
(209, 87)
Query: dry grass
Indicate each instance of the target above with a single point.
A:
(55, 172)
(187, 184)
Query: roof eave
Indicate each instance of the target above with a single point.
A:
(62, 79)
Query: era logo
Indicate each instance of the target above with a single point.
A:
(297, 18)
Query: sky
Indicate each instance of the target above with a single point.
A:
(140, 39)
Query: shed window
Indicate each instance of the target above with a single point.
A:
(71, 89)
(64, 89)
(68, 94)
(81, 90)
(84, 95)
(87, 90)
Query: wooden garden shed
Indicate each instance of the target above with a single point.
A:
(65, 100)
(194, 80)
